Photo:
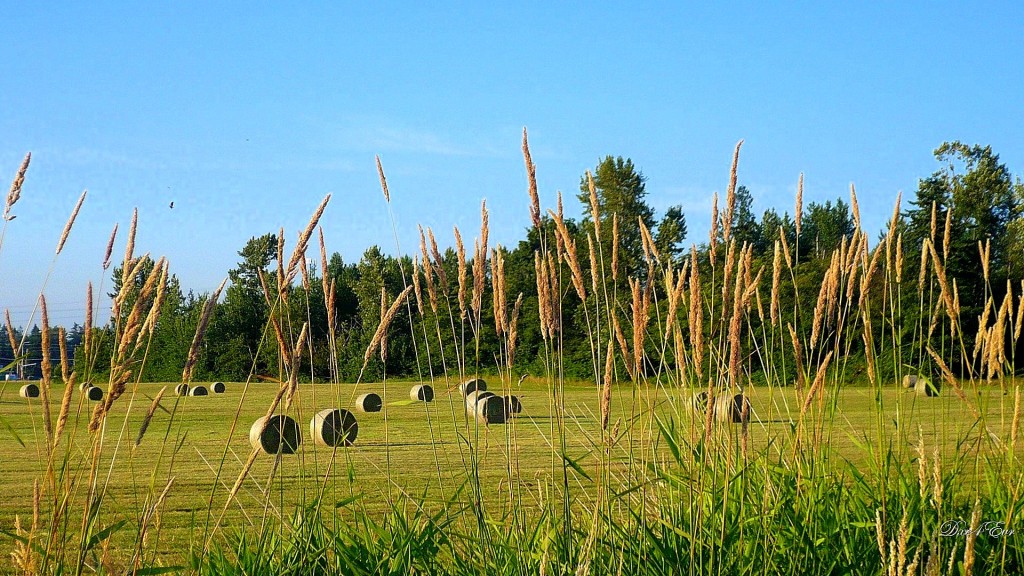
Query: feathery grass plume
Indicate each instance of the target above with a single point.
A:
(899, 258)
(513, 329)
(985, 256)
(713, 233)
(149, 326)
(799, 203)
(922, 465)
(854, 207)
(485, 226)
(592, 253)
(383, 180)
(110, 247)
(497, 300)
(979, 337)
(428, 275)
(947, 234)
(197, 340)
(972, 537)
(869, 273)
(69, 385)
(730, 196)
(798, 355)
(627, 358)
(735, 323)
(282, 345)
(70, 222)
(650, 249)
(304, 273)
(460, 250)
(1020, 314)
(540, 274)
(773, 313)
(384, 337)
(570, 255)
(133, 325)
(894, 220)
(833, 288)
(296, 357)
(10, 332)
(382, 328)
(479, 262)
(47, 369)
(531, 175)
(880, 536)
(149, 416)
(595, 212)
(14, 194)
(323, 258)
(944, 289)
(696, 318)
(785, 248)
(640, 309)
(730, 260)
(606, 389)
(615, 246)
(922, 273)
(553, 309)
(673, 291)
(417, 290)
(818, 384)
(87, 337)
(819, 307)
(129, 248)
(947, 375)
(442, 276)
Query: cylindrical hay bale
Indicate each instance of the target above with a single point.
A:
(218, 388)
(94, 393)
(278, 435)
(741, 408)
(181, 390)
(334, 427)
(369, 402)
(29, 391)
(474, 397)
(422, 393)
(512, 406)
(490, 410)
(926, 387)
(910, 381)
(84, 386)
(723, 408)
(199, 391)
(472, 385)
(700, 402)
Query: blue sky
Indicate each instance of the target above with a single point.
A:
(246, 117)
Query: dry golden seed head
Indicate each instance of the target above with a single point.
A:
(110, 247)
(383, 180)
(880, 535)
(895, 216)
(513, 329)
(869, 354)
(70, 222)
(972, 537)
(592, 253)
(1015, 422)
(129, 249)
(855, 207)
(595, 212)
(799, 203)
(899, 258)
(785, 248)
(416, 284)
(713, 234)
(479, 263)
(442, 276)
(10, 331)
(149, 416)
(531, 175)
(615, 247)
(730, 196)
(606, 390)
(15, 192)
(946, 234)
(484, 226)
(460, 250)
(817, 384)
(621, 339)
(323, 257)
(819, 308)
(87, 338)
(197, 340)
(776, 278)
(385, 322)
(923, 271)
(947, 375)
(65, 404)
(303, 241)
(496, 304)
(798, 354)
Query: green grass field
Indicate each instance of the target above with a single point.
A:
(424, 451)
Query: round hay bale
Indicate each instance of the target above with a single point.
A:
(741, 409)
(910, 381)
(199, 391)
(422, 393)
(700, 402)
(29, 391)
(475, 396)
(490, 410)
(84, 386)
(181, 390)
(472, 385)
(94, 393)
(926, 387)
(369, 402)
(730, 408)
(218, 387)
(279, 434)
(334, 427)
(512, 406)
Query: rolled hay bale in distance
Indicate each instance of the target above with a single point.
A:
(422, 393)
(472, 385)
(279, 434)
(94, 393)
(475, 396)
(730, 408)
(741, 408)
(910, 381)
(181, 390)
(29, 391)
(334, 427)
(513, 406)
(84, 386)
(218, 388)
(926, 387)
(199, 391)
(490, 409)
(369, 402)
